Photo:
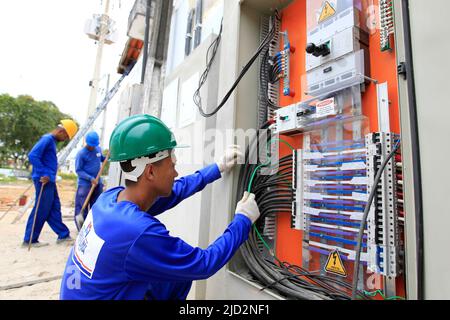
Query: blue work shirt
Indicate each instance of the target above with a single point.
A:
(87, 165)
(123, 252)
(43, 158)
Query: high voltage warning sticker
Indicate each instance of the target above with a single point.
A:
(327, 11)
(334, 264)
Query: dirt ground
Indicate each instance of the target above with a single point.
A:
(34, 274)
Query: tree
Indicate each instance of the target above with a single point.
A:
(23, 121)
(106, 168)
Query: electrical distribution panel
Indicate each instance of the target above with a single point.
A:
(337, 135)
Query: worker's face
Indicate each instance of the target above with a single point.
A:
(90, 148)
(165, 174)
(61, 135)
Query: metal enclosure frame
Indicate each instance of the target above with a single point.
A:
(410, 152)
(423, 93)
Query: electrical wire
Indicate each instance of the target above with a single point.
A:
(266, 273)
(364, 218)
(215, 45)
(379, 292)
(266, 164)
(209, 61)
(266, 74)
(265, 85)
(274, 195)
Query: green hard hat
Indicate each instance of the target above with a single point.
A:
(140, 136)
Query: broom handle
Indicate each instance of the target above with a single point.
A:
(94, 186)
(35, 215)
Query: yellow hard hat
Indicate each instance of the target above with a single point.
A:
(70, 126)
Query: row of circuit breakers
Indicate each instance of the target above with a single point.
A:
(332, 182)
(334, 172)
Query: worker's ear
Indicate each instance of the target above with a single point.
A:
(149, 172)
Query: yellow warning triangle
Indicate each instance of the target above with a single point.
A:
(334, 264)
(327, 11)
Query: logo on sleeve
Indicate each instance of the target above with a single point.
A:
(87, 248)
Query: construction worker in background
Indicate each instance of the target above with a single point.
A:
(123, 251)
(87, 165)
(45, 166)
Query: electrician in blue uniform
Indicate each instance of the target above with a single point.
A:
(45, 165)
(123, 251)
(87, 165)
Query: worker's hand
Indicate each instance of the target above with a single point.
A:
(248, 207)
(232, 156)
(94, 182)
(44, 180)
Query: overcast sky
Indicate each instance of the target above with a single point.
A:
(45, 53)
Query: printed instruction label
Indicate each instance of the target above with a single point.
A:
(325, 108)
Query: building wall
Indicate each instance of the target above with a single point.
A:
(212, 15)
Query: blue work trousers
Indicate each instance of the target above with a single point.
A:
(49, 211)
(82, 193)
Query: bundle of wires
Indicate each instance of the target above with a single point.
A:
(275, 67)
(210, 59)
(274, 195)
(266, 71)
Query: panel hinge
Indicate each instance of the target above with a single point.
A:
(401, 70)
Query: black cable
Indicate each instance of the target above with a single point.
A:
(318, 279)
(364, 219)
(254, 261)
(265, 71)
(214, 46)
(278, 277)
(321, 287)
(271, 273)
(197, 99)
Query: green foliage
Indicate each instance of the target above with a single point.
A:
(68, 176)
(5, 179)
(23, 121)
(106, 169)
